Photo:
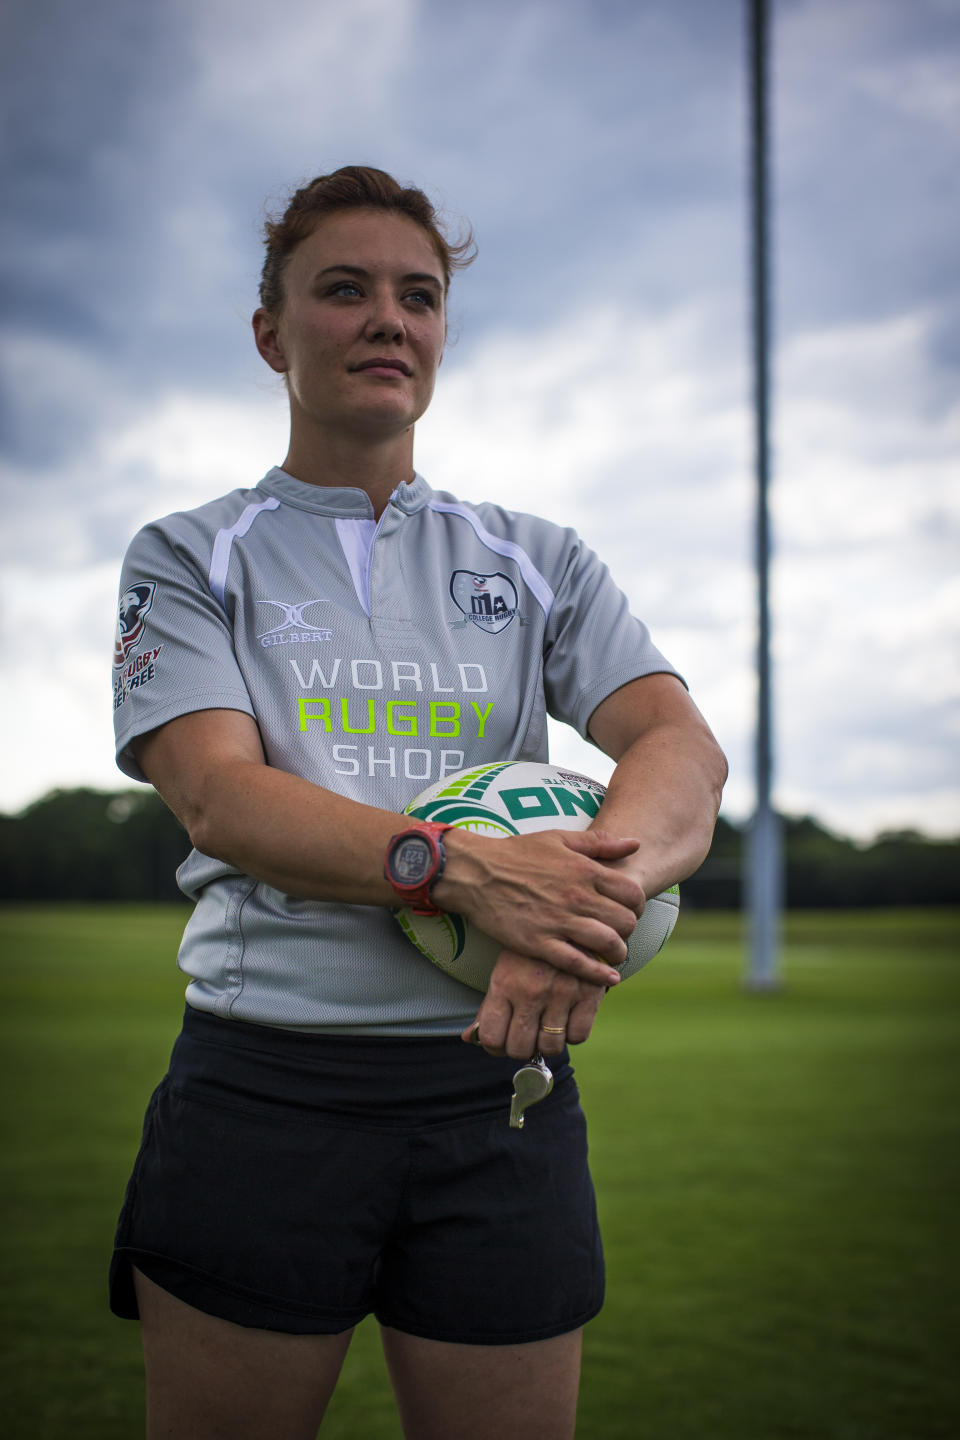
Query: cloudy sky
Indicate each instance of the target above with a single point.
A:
(600, 371)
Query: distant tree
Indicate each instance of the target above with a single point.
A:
(717, 884)
(825, 870)
(126, 845)
(92, 845)
(904, 868)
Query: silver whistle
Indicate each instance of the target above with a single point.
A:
(532, 1082)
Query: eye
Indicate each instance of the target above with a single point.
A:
(349, 288)
(423, 297)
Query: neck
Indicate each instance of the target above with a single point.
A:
(357, 464)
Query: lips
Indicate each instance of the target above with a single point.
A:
(400, 367)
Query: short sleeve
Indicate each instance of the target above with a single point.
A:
(593, 644)
(174, 651)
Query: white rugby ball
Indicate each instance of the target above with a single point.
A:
(516, 797)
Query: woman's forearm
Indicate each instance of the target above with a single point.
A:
(549, 895)
(665, 791)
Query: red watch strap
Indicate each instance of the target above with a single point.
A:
(417, 897)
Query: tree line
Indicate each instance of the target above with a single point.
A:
(126, 845)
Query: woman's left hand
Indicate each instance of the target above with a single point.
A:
(524, 997)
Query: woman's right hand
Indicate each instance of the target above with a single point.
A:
(551, 896)
(530, 1006)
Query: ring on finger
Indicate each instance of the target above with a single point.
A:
(554, 1029)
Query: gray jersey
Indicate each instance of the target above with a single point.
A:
(375, 657)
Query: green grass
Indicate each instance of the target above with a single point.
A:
(777, 1177)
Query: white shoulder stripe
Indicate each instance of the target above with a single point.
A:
(220, 557)
(531, 575)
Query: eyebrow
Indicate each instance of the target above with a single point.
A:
(415, 278)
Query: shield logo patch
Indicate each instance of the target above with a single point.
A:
(134, 604)
(490, 601)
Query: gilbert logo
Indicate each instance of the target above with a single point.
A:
(490, 601)
(293, 629)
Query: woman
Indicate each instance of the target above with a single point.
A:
(294, 663)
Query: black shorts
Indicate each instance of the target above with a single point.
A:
(300, 1182)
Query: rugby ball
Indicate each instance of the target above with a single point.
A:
(516, 797)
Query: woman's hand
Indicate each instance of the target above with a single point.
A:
(545, 895)
(552, 896)
(531, 1006)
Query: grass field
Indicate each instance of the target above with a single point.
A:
(777, 1178)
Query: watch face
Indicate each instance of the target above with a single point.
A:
(412, 860)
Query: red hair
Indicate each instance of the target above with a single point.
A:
(354, 187)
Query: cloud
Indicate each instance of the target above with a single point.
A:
(639, 436)
(601, 373)
(58, 584)
(57, 627)
(241, 50)
(178, 451)
(866, 207)
(143, 163)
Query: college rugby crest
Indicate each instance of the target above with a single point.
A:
(490, 601)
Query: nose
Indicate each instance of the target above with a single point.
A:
(385, 320)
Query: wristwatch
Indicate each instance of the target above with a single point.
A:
(414, 863)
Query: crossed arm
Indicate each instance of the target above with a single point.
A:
(562, 901)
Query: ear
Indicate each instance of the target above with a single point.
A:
(267, 337)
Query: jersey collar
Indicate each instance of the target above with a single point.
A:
(340, 501)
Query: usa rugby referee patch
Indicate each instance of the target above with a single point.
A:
(134, 604)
